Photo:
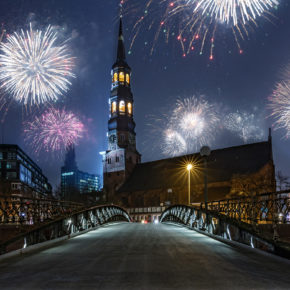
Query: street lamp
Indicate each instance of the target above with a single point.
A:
(189, 167)
(205, 152)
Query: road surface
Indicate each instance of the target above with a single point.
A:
(144, 256)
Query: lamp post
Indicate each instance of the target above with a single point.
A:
(189, 167)
(205, 152)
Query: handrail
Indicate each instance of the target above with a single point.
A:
(276, 193)
(76, 222)
(24, 210)
(220, 225)
(271, 208)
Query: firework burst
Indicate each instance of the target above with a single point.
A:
(234, 12)
(247, 126)
(53, 131)
(191, 124)
(34, 69)
(280, 106)
(196, 24)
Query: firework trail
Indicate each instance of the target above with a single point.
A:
(34, 69)
(53, 131)
(191, 124)
(247, 126)
(196, 24)
(280, 106)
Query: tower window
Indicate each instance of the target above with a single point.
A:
(122, 107)
(114, 107)
(115, 78)
(121, 77)
(127, 78)
(117, 159)
(129, 105)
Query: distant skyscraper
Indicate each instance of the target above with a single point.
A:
(70, 158)
(74, 181)
(121, 157)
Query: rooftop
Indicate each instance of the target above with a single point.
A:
(222, 165)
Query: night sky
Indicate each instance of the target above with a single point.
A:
(232, 81)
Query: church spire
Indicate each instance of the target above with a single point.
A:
(122, 155)
(121, 55)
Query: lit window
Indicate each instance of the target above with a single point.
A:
(114, 107)
(127, 78)
(129, 108)
(122, 107)
(121, 77)
(115, 78)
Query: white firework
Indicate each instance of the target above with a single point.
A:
(247, 126)
(174, 144)
(280, 106)
(234, 11)
(34, 68)
(192, 124)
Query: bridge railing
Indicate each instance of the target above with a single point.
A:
(271, 207)
(75, 223)
(19, 210)
(227, 227)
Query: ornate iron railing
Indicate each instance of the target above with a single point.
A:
(264, 208)
(227, 227)
(75, 223)
(30, 211)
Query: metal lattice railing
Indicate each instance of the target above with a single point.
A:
(239, 220)
(74, 223)
(263, 208)
(31, 211)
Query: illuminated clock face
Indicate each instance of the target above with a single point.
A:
(112, 138)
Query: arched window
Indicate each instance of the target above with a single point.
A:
(114, 107)
(121, 77)
(127, 78)
(122, 107)
(129, 105)
(115, 78)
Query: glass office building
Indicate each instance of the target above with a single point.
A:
(75, 182)
(20, 174)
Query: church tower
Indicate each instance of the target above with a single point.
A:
(121, 157)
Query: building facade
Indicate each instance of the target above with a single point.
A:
(122, 156)
(75, 182)
(244, 170)
(20, 175)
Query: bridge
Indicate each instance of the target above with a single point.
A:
(191, 248)
(144, 256)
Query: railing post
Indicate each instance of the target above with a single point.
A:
(275, 218)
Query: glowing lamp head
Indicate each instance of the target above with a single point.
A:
(189, 166)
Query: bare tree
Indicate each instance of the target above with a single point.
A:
(250, 185)
(282, 181)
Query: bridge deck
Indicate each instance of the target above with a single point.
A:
(139, 256)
